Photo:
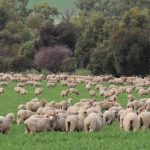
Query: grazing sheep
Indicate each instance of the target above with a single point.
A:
(92, 93)
(109, 117)
(2, 90)
(76, 122)
(51, 84)
(21, 107)
(121, 115)
(22, 115)
(73, 91)
(87, 86)
(64, 105)
(131, 122)
(64, 93)
(38, 123)
(144, 119)
(53, 104)
(105, 105)
(40, 111)
(38, 91)
(60, 123)
(130, 98)
(34, 105)
(93, 122)
(6, 122)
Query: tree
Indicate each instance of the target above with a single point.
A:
(69, 64)
(131, 52)
(51, 58)
(92, 34)
(47, 12)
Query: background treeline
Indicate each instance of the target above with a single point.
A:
(106, 37)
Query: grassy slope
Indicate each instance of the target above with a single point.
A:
(110, 138)
(62, 5)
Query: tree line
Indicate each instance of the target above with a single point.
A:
(106, 37)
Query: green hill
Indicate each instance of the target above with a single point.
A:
(61, 5)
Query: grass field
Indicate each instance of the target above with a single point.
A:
(109, 138)
(61, 5)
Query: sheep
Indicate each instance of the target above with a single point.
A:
(144, 119)
(21, 84)
(53, 104)
(6, 122)
(131, 122)
(38, 123)
(60, 123)
(109, 117)
(23, 91)
(92, 93)
(73, 91)
(87, 86)
(21, 107)
(130, 98)
(72, 110)
(38, 91)
(2, 90)
(116, 110)
(22, 115)
(136, 104)
(64, 93)
(33, 106)
(51, 84)
(105, 105)
(40, 111)
(121, 115)
(93, 122)
(128, 90)
(65, 104)
(96, 109)
(76, 122)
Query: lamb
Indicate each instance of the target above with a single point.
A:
(22, 115)
(38, 123)
(144, 119)
(76, 122)
(93, 122)
(131, 122)
(6, 122)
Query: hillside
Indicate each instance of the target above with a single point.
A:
(62, 5)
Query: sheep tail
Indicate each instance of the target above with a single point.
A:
(141, 122)
(131, 125)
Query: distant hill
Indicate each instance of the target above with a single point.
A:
(61, 5)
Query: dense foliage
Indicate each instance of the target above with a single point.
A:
(106, 37)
